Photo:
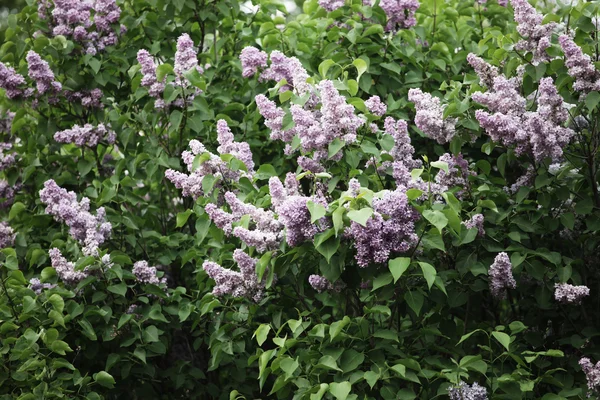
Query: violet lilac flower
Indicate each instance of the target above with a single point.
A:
(288, 68)
(331, 5)
(570, 294)
(146, 274)
(185, 58)
(485, 71)
(429, 117)
(465, 392)
(536, 37)
(252, 59)
(7, 235)
(40, 72)
(321, 284)
(400, 13)
(11, 81)
(86, 135)
(7, 159)
(37, 286)
(501, 276)
(592, 373)
(65, 269)
(587, 77)
(458, 173)
(476, 221)
(375, 106)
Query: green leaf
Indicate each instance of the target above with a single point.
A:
(399, 369)
(261, 333)
(338, 219)
(105, 379)
(334, 147)
(340, 390)
(151, 334)
(162, 70)
(502, 338)
(120, 289)
(182, 218)
(371, 377)
(317, 211)
(592, 100)
(437, 218)
(415, 301)
(324, 67)
(441, 165)
(289, 366)
(336, 327)
(361, 67)
(265, 171)
(429, 273)
(361, 216)
(351, 359)
(398, 266)
(328, 362)
(57, 302)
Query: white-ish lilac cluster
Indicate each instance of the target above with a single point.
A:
(540, 133)
(331, 5)
(288, 68)
(592, 373)
(476, 221)
(587, 77)
(7, 193)
(85, 22)
(376, 106)
(571, 294)
(146, 274)
(321, 284)
(185, 59)
(429, 116)
(244, 283)
(86, 135)
(465, 392)
(391, 229)
(457, 175)
(7, 235)
(501, 276)
(7, 159)
(536, 36)
(65, 269)
(214, 165)
(7, 118)
(88, 229)
(252, 59)
(264, 234)
(400, 13)
(37, 286)
(485, 71)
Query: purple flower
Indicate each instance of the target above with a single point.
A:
(40, 72)
(185, 56)
(7, 235)
(400, 13)
(252, 59)
(536, 37)
(375, 106)
(587, 77)
(476, 221)
(485, 71)
(289, 69)
(7, 160)
(592, 373)
(321, 284)
(66, 269)
(308, 164)
(10, 81)
(6, 121)
(465, 392)
(429, 117)
(37, 286)
(86, 135)
(146, 274)
(458, 173)
(7, 193)
(501, 277)
(570, 294)
(331, 5)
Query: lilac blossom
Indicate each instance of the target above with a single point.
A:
(429, 117)
(6, 121)
(7, 235)
(88, 229)
(7, 159)
(37, 286)
(403, 151)
(86, 135)
(570, 294)
(375, 106)
(331, 5)
(457, 175)
(155, 88)
(321, 284)
(65, 269)
(501, 276)
(536, 37)
(288, 68)
(191, 185)
(273, 116)
(252, 59)
(237, 284)
(587, 77)
(485, 71)
(476, 221)
(10, 81)
(40, 72)
(465, 392)
(146, 274)
(87, 98)
(311, 165)
(524, 180)
(185, 58)
(391, 229)
(592, 373)
(7, 193)
(400, 13)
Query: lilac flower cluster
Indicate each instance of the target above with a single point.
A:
(524, 180)
(87, 98)
(457, 175)
(40, 72)
(86, 135)
(375, 106)
(391, 229)
(402, 152)
(273, 116)
(592, 373)
(66, 269)
(7, 235)
(331, 5)
(501, 277)
(292, 209)
(37, 286)
(145, 274)
(540, 133)
(288, 68)
(465, 392)
(7, 160)
(485, 71)
(321, 284)
(191, 184)
(267, 232)
(536, 37)
(85, 22)
(430, 116)
(570, 294)
(185, 58)
(6, 120)
(400, 13)
(476, 221)
(252, 59)
(237, 284)
(7, 193)
(88, 229)
(11, 81)
(587, 77)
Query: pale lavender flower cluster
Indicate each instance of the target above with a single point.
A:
(85, 22)
(501, 276)
(592, 373)
(87, 98)
(10, 81)
(430, 116)
(400, 13)
(7, 193)
(155, 88)
(288, 68)
(587, 77)
(540, 133)
(37, 286)
(391, 229)
(146, 274)
(376, 106)
(273, 116)
(7, 160)
(321, 284)
(185, 58)
(331, 5)
(476, 221)
(86, 135)
(88, 229)
(191, 184)
(292, 209)
(40, 72)
(66, 269)
(524, 180)
(457, 175)
(6, 121)
(485, 71)
(536, 37)
(252, 59)
(570, 294)
(7, 235)
(465, 392)
(237, 284)
(402, 152)
(266, 232)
